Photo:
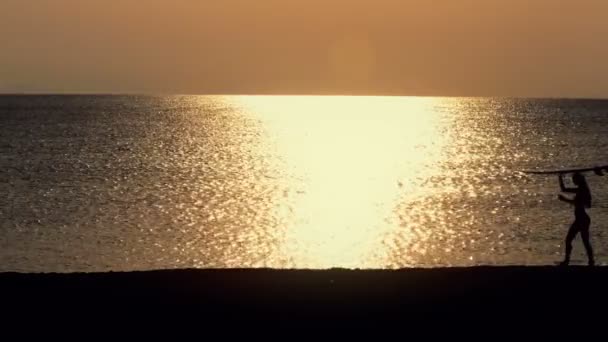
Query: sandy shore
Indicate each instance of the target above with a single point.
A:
(353, 296)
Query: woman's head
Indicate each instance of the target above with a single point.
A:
(579, 179)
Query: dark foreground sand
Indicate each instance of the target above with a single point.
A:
(272, 297)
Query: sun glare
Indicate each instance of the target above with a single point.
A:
(339, 160)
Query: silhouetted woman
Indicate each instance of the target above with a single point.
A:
(581, 201)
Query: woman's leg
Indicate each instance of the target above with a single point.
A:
(587, 243)
(569, 237)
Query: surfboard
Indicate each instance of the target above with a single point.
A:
(599, 170)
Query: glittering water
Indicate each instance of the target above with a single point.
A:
(93, 183)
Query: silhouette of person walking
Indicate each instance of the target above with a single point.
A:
(581, 201)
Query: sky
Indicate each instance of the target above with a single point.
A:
(528, 48)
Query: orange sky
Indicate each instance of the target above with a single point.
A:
(409, 47)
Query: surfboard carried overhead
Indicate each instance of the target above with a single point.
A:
(598, 170)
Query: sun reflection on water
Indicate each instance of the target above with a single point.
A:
(290, 181)
(348, 163)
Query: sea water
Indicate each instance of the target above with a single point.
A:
(98, 183)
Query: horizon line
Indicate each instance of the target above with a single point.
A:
(152, 94)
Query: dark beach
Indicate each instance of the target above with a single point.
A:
(252, 296)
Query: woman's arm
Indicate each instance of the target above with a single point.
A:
(565, 199)
(562, 186)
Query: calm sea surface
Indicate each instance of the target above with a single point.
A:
(96, 183)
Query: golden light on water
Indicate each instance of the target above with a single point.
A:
(349, 163)
(289, 182)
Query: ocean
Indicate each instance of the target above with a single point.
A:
(117, 183)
